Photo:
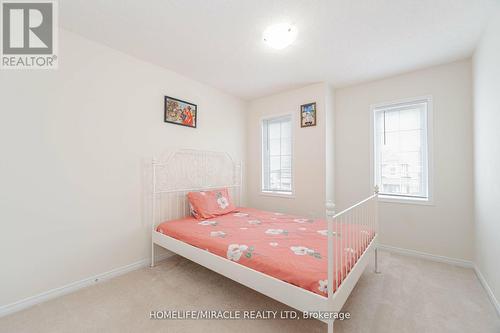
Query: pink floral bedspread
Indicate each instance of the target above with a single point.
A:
(289, 248)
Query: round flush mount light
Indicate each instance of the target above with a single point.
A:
(279, 36)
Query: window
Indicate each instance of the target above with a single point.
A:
(401, 161)
(277, 155)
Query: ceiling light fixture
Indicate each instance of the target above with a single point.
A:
(279, 36)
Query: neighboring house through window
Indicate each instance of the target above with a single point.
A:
(401, 149)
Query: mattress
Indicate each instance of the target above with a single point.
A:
(290, 248)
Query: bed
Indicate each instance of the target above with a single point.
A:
(309, 264)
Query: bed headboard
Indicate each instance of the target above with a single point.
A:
(188, 170)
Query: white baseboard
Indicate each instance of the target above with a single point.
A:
(433, 257)
(488, 290)
(50, 294)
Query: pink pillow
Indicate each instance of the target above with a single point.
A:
(208, 204)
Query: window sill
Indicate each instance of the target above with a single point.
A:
(403, 200)
(278, 194)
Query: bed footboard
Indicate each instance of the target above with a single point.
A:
(346, 265)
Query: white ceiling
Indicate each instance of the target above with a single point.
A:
(219, 42)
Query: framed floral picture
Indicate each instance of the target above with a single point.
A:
(180, 112)
(308, 115)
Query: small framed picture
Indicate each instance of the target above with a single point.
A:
(180, 112)
(308, 115)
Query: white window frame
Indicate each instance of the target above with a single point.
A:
(428, 142)
(291, 194)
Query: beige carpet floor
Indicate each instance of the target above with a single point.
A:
(411, 295)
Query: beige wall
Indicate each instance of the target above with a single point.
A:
(309, 150)
(74, 143)
(487, 155)
(444, 228)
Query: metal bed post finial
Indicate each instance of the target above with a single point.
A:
(330, 209)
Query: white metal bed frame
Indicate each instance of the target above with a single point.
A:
(192, 170)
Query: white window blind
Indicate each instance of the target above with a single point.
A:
(401, 150)
(277, 155)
